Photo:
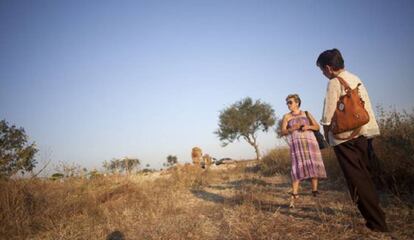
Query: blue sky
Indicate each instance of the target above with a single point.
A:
(95, 80)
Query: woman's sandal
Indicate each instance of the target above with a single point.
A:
(295, 195)
(315, 193)
(292, 199)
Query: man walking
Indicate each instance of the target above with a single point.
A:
(352, 153)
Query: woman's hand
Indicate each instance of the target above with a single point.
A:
(306, 128)
(294, 127)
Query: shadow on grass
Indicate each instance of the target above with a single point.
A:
(212, 197)
(278, 191)
(239, 184)
(115, 235)
(325, 185)
(315, 214)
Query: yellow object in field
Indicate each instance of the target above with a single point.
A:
(197, 155)
(207, 160)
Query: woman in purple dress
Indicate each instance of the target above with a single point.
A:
(304, 149)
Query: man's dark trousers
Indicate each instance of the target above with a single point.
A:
(353, 159)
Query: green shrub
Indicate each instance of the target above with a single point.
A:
(56, 176)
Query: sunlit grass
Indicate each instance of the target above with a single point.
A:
(245, 200)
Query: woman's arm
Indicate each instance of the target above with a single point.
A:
(284, 126)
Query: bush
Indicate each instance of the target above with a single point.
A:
(276, 161)
(94, 174)
(57, 176)
(394, 166)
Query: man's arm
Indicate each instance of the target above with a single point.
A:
(325, 131)
(333, 92)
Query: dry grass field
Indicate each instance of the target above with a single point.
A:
(230, 202)
(244, 200)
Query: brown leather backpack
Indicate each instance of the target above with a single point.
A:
(350, 113)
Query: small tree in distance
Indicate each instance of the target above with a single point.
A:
(171, 160)
(125, 165)
(128, 164)
(245, 119)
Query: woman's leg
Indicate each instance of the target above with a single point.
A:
(315, 187)
(314, 184)
(295, 187)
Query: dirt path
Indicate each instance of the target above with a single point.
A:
(235, 204)
(328, 216)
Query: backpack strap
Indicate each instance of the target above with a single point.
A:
(344, 83)
(307, 116)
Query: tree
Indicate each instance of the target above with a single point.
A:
(107, 166)
(122, 165)
(245, 119)
(171, 160)
(70, 169)
(116, 165)
(16, 154)
(128, 164)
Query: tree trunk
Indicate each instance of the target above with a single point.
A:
(256, 148)
(254, 144)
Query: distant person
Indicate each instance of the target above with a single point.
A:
(304, 149)
(352, 153)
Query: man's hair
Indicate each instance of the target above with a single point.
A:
(332, 58)
(295, 97)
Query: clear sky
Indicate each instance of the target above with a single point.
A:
(95, 80)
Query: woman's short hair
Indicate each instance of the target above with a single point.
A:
(331, 58)
(295, 97)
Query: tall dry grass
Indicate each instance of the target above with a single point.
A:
(141, 207)
(181, 203)
(186, 202)
(394, 167)
(276, 162)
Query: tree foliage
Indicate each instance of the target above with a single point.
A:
(125, 165)
(171, 160)
(70, 169)
(16, 154)
(244, 119)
